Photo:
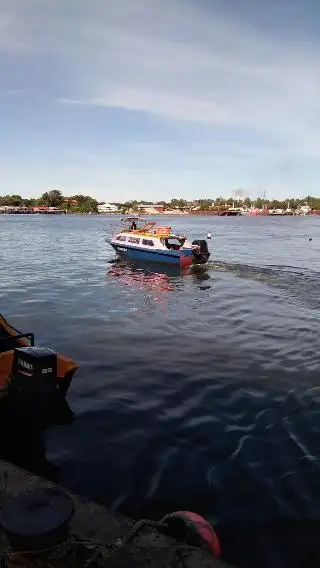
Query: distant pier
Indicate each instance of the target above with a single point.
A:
(42, 210)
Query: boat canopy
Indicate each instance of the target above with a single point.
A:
(147, 227)
(143, 225)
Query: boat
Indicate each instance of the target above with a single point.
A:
(233, 212)
(34, 381)
(143, 240)
(303, 209)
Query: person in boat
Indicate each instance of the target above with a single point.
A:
(175, 245)
(133, 226)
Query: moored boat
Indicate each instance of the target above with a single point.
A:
(143, 240)
(34, 381)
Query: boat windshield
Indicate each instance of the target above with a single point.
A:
(136, 224)
(174, 242)
(132, 223)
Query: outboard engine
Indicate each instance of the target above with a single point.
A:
(33, 385)
(200, 253)
(34, 371)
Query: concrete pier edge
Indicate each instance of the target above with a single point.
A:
(94, 523)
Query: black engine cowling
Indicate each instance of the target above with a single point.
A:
(34, 371)
(200, 253)
(33, 385)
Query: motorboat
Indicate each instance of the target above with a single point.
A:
(34, 381)
(233, 212)
(144, 240)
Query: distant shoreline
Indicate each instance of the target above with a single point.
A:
(207, 213)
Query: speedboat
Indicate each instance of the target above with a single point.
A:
(143, 240)
(34, 381)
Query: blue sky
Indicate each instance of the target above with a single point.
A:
(154, 99)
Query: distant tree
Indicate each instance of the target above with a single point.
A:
(125, 207)
(11, 200)
(30, 202)
(85, 204)
(178, 203)
(218, 202)
(52, 198)
(16, 200)
(204, 204)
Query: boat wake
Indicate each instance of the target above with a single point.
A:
(298, 286)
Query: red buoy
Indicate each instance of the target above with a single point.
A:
(194, 530)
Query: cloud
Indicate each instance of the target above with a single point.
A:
(177, 60)
(11, 92)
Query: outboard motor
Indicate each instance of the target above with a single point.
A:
(200, 253)
(34, 371)
(33, 385)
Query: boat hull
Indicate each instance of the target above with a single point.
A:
(180, 259)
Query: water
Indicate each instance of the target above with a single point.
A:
(198, 390)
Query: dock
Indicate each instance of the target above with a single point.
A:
(41, 210)
(99, 539)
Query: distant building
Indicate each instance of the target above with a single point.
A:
(107, 208)
(151, 209)
(42, 208)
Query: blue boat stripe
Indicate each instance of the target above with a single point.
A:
(125, 245)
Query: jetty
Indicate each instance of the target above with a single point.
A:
(41, 210)
(95, 537)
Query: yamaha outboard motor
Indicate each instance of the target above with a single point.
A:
(34, 372)
(200, 253)
(33, 385)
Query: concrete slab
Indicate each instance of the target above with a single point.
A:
(94, 524)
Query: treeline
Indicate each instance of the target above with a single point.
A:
(86, 204)
(221, 203)
(54, 198)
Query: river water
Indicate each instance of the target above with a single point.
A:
(198, 390)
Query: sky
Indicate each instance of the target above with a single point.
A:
(155, 99)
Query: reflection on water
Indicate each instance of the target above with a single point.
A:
(24, 442)
(30, 453)
(143, 276)
(154, 277)
(155, 281)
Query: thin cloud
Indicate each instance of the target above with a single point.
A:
(176, 60)
(11, 92)
(218, 71)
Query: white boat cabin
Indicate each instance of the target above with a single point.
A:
(147, 234)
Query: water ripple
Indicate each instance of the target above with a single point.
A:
(198, 390)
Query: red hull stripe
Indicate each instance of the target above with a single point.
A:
(185, 261)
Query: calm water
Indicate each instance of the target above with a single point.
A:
(198, 390)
